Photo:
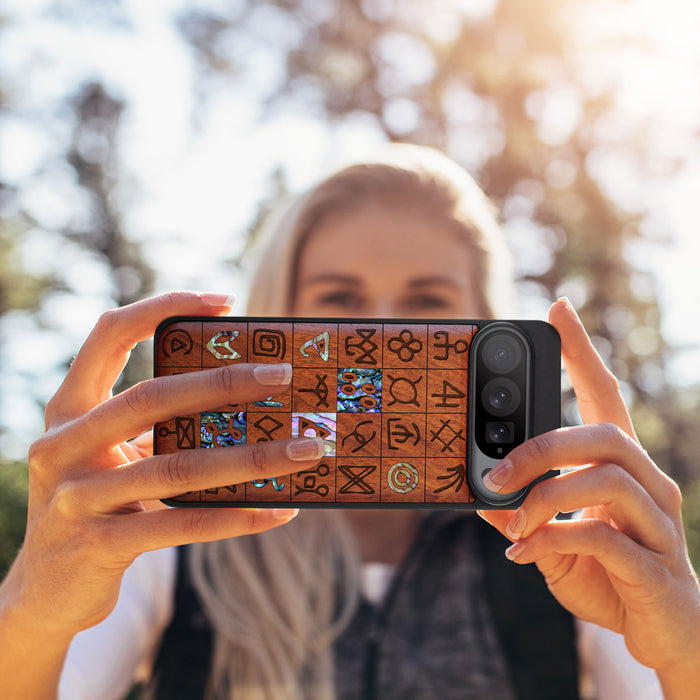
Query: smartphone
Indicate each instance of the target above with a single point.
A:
(413, 413)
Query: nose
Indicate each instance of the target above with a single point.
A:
(382, 307)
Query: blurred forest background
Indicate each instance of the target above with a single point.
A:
(579, 119)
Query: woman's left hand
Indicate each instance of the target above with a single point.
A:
(623, 564)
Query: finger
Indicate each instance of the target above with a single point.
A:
(143, 444)
(105, 352)
(583, 444)
(606, 486)
(154, 400)
(156, 529)
(614, 550)
(497, 518)
(165, 476)
(596, 388)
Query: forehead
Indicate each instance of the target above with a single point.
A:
(384, 239)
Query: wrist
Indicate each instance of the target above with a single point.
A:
(682, 681)
(25, 630)
(32, 657)
(20, 620)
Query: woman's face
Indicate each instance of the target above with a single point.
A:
(385, 261)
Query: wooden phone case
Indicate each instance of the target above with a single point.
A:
(389, 397)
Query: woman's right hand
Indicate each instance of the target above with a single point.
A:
(87, 517)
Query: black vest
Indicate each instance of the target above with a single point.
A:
(534, 634)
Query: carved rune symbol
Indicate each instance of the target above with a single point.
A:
(269, 403)
(222, 429)
(214, 491)
(309, 481)
(398, 433)
(402, 477)
(446, 394)
(320, 390)
(449, 437)
(356, 479)
(359, 390)
(184, 432)
(310, 429)
(403, 390)
(177, 342)
(272, 425)
(360, 438)
(321, 344)
(366, 346)
(223, 340)
(458, 347)
(405, 345)
(457, 473)
(269, 342)
(261, 483)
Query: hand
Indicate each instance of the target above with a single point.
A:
(624, 564)
(87, 518)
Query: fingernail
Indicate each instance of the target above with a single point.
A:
(218, 299)
(274, 375)
(285, 513)
(517, 525)
(499, 476)
(515, 550)
(569, 306)
(305, 448)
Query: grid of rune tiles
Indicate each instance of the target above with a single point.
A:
(395, 430)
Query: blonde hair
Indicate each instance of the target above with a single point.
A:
(277, 600)
(405, 175)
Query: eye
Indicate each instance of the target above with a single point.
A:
(427, 302)
(340, 299)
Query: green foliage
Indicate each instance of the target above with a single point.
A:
(691, 521)
(14, 484)
(18, 289)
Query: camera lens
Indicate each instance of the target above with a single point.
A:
(500, 396)
(499, 432)
(502, 353)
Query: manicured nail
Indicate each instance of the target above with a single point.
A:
(499, 476)
(274, 375)
(306, 448)
(569, 306)
(516, 525)
(218, 299)
(515, 550)
(285, 513)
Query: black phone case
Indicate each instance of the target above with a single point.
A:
(393, 400)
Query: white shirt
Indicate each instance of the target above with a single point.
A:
(104, 661)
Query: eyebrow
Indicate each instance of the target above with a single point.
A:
(351, 280)
(432, 282)
(333, 277)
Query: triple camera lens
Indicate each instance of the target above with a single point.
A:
(502, 362)
(500, 432)
(500, 396)
(502, 354)
(501, 386)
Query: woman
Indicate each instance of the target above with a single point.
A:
(410, 236)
